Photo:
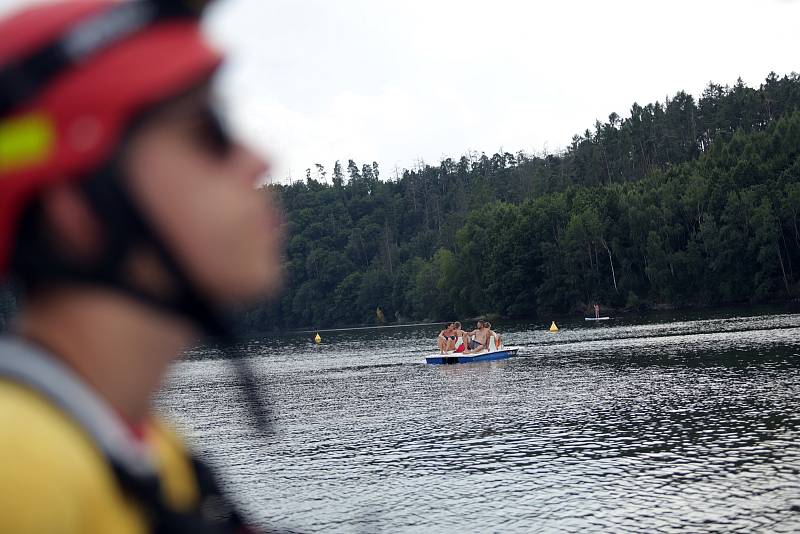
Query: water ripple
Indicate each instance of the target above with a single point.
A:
(684, 425)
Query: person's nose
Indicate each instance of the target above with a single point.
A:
(254, 166)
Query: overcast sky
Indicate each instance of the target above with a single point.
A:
(312, 81)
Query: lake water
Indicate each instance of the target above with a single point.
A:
(659, 424)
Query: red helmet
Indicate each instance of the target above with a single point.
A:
(73, 75)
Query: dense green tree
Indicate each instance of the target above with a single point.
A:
(682, 203)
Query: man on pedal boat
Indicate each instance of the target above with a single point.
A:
(477, 339)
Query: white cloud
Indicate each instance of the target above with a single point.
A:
(315, 80)
(397, 82)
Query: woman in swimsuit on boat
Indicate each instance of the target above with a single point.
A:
(459, 334)
(447, 339)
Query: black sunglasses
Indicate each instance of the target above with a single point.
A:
(212, 132)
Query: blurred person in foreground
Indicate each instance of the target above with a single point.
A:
(131, 223)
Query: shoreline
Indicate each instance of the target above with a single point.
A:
(792, 305)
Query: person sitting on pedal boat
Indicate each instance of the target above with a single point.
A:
(446, 339)
(459, 344)
(477, 339)
(494, 342)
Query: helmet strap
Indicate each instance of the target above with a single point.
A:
(107, 192)
(128, 229)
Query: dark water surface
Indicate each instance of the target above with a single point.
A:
(665, 424)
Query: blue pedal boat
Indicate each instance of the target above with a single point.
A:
(456, 357)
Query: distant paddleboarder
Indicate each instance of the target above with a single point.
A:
(596, 311)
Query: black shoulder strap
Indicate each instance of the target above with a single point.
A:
(213, 515)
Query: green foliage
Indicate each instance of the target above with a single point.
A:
(681, 203)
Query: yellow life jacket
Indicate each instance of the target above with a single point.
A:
(69, 465)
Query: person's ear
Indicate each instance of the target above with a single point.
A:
(73, 224)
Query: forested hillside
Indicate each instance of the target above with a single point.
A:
(681, 203)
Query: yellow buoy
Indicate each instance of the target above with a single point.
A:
(553, 327)
(317, 339)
